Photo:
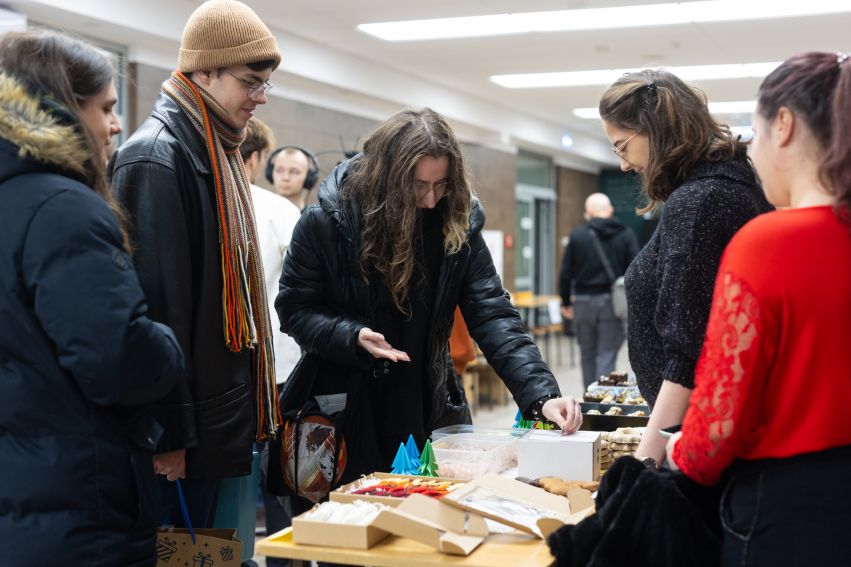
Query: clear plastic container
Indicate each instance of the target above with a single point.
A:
(467, 456)
(506, 432)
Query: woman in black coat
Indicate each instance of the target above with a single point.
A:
(76, 348)
(370, 284)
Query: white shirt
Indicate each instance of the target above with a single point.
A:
(275, 218)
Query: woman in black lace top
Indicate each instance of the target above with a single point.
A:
(661, 128)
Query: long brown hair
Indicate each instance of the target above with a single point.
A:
(66, 72)
(817, 87)
(382, 183)
(676, 120)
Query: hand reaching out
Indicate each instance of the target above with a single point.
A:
(375, 344)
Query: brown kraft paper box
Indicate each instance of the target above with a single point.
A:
(213, 547)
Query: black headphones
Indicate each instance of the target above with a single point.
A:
(312, 171)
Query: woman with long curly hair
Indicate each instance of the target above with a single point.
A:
(661, 128)
(370, 284)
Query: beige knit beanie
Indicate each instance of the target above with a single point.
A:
(222, 33)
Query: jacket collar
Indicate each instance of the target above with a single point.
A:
(38, 135)
(178, 123)
(344, 212)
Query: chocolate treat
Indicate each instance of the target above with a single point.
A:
(595, 396)
(619, 378)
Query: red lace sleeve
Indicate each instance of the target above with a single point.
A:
(728, 377)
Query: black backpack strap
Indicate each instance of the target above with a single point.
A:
(603, 258)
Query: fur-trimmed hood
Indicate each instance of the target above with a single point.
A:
(38, 135)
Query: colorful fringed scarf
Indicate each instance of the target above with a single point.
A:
(245, 311)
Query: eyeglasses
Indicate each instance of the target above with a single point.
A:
(423, 188)
(620, 150)
(253, 88)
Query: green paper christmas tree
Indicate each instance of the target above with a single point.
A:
(428, 466)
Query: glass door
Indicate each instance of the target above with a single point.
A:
(535, 243)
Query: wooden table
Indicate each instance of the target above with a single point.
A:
(540, 327)
(515, 549)
(529, 301)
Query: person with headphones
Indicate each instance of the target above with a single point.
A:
(293, 171)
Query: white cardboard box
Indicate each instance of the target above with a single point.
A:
(549, 453)
(520, 505)
(434, 523)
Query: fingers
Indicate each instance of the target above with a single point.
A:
(566, 413)
(569, 413)
(171, 465)
(391, 354)
(401, 356)
(553, 410)
(574, 421)
(376, 345)
(176, 474)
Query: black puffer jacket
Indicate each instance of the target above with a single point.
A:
(162, 177)
(323, 303)
(76, 348)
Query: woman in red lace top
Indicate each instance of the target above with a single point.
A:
(768, 413)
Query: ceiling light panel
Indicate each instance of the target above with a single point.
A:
(675, 13)
(608, 76)
(732, 107)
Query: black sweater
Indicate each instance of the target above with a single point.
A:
(669, 284)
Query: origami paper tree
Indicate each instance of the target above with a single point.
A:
(413, 450)
(428, 465)
(401, 463)
(521, 423)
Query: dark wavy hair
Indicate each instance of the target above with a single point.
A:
(382, 183)
(676, 120)
(67, 72)
(817, 88)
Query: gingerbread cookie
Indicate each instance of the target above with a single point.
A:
(625, 435)
(560, 486)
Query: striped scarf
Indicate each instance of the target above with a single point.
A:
(244, 308)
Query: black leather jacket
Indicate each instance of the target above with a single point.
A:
(162, 178)
(323, 303)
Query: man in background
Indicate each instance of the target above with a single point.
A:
(586, 285)
(293, 171)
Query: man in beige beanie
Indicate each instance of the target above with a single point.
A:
(183, 183)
